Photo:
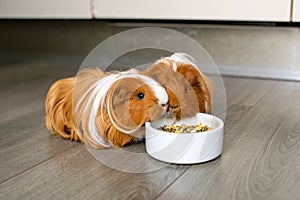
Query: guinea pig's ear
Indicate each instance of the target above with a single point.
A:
(120, 95)
(201, 85)
(154, 76)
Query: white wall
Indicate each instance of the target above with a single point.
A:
(250, 10)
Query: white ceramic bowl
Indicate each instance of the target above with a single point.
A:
(185, 148)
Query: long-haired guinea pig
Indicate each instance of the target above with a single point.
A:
(104, 109)
(188, 89)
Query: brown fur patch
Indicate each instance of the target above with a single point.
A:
(189, 91)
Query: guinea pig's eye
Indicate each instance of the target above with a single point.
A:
(140, 96)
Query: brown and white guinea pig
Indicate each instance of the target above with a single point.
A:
(188, 89)
(104, 109)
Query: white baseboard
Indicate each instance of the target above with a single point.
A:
(282, 74)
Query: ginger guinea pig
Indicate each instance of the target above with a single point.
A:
(188, 89)
(104, 109)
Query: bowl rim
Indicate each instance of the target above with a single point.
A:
(220, 126)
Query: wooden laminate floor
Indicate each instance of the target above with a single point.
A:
(260, 159)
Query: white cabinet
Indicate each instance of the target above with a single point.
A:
(236, 10)
(45, 9)
(296, 11)
(245, 10)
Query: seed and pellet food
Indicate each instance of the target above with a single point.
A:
(185, 128)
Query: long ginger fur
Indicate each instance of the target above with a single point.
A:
(59, 109)
(119, 118)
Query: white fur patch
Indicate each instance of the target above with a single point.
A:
(184, 58)
(97, 98)
(174, 66)
(159, 91)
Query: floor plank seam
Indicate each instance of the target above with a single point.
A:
(263, 96)
(36, 165)
(21, 113)
(8, 140)
(36, 109)
(50, 80)
(172, 183)
(225, 132)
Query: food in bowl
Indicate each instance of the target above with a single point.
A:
(183, 128)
